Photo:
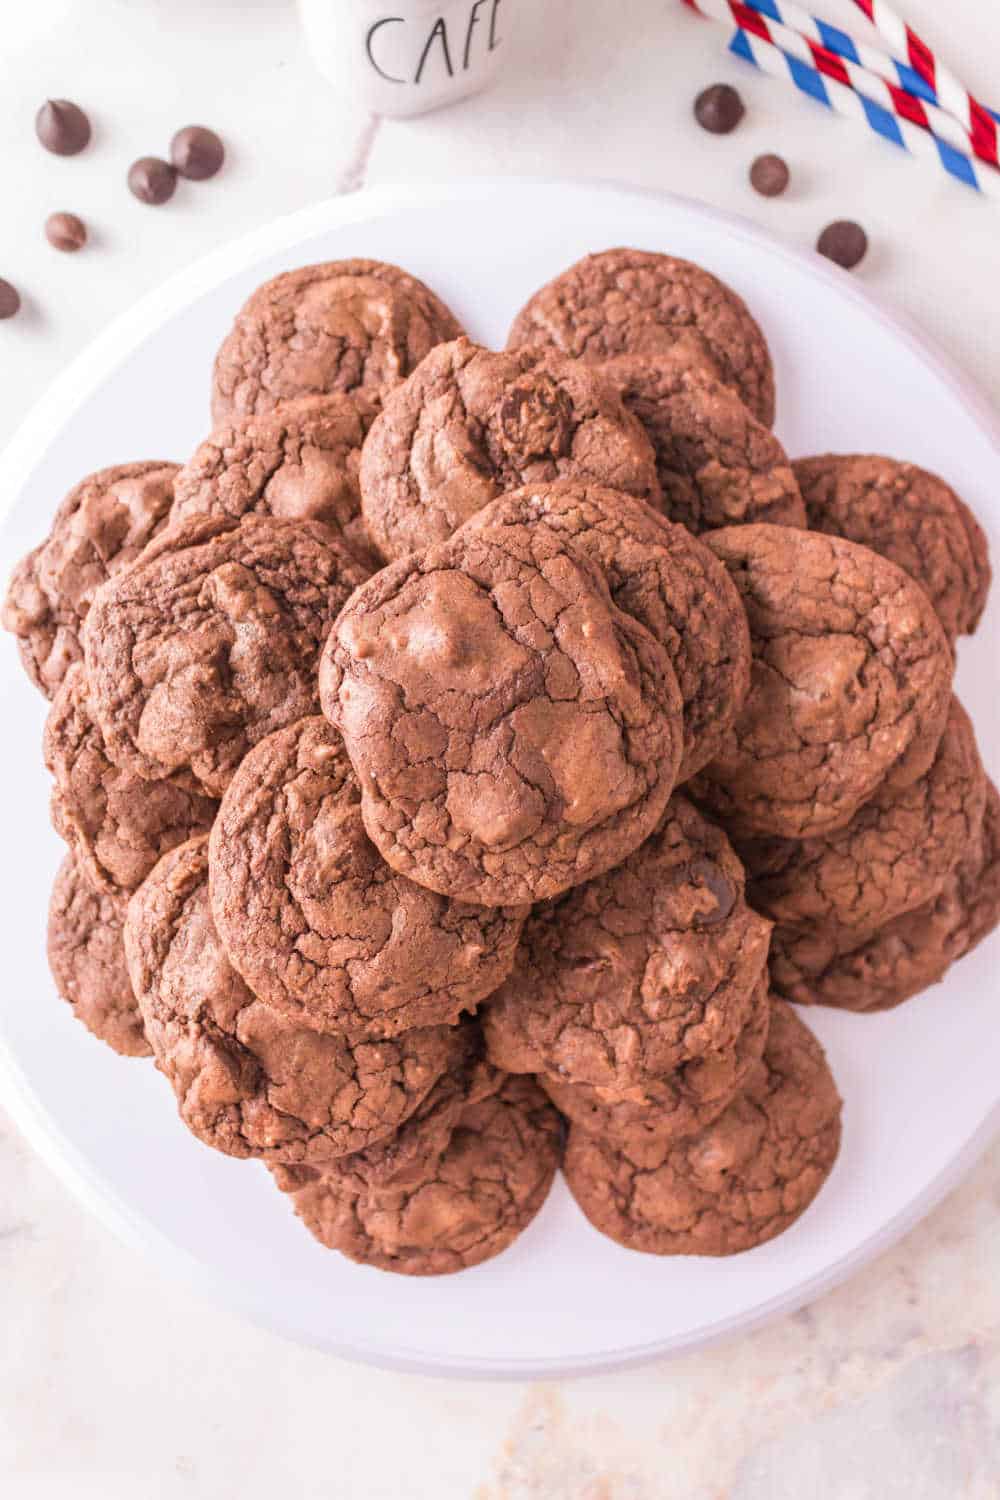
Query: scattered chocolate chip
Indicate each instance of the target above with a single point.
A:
(843, 242)
(197, 152)
(152, 180)
(62, 127)
(769, 175)
(10, 301)
(719, 109)
(65, 231)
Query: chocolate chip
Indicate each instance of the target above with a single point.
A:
(10, 301)
(769, 175)
(535, 421)
(152, 180)
(197, 152)
(843, 242)
(65, 231)
(706, 872)
(62, 127)
(719, 109)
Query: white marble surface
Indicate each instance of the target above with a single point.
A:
(116, 1383)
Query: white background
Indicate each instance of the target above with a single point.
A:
(115, 1383)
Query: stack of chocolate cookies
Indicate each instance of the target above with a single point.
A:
(466, 756)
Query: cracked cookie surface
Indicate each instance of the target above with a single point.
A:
(117, 824)
(339, 326)
(211, 642)
(678, 1105)
(402, 1158)
(850, 683)
(513, 732)
(470, 424)
(318, 924)
(649, 969)
(248, 1081)
(102, 525)
(451, 1210)
(894, 854)
(717, 464)
(909, 515)
(87, 960)
(298, 463)
(742, 1181)
(659, 574)
(907, 954)
(637, 302)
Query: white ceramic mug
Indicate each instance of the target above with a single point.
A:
(402, 57)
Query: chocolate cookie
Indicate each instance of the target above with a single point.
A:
(660, 575)
(894, 854)
(637, 302)
(210, 643)
(469, 424)
(101, 526)
(117, 824)
(908, 954)
(742, 1181)
(317, 923)
(341, 326)
(513, 732)
(639, 974)
(717, 464)
(402, 1158)
(87, 961)
(681, 1104)
(850, 684)
(248, 1081)
(299, 462)
(909, 515)
(452, 1210)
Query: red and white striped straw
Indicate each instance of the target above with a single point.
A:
(952, 95)
(843, 100)
(889, 95)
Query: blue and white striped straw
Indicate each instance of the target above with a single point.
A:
(843, 100)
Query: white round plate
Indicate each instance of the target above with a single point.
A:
(921, 1086)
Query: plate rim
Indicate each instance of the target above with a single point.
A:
(64, 397)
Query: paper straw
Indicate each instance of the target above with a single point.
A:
(843, 100)
(951, 94)
(892, 69)
(891, 96)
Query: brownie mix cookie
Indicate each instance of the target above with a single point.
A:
(659, 574)
(742, 1181)
(341, 326)
(909, 515)
(101, 526)
(453, 1210)
(117, 824)
(634, 976)
(299, 462)
(850, 684)
(680, 1104)
(907, 954)
(401, 1159)
(87, 960)
(894, 854)
(318, 924)
(248, 1081)
(717, 464)
(513, 732)
(637, 302)
(211, 642)
(469, 424)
